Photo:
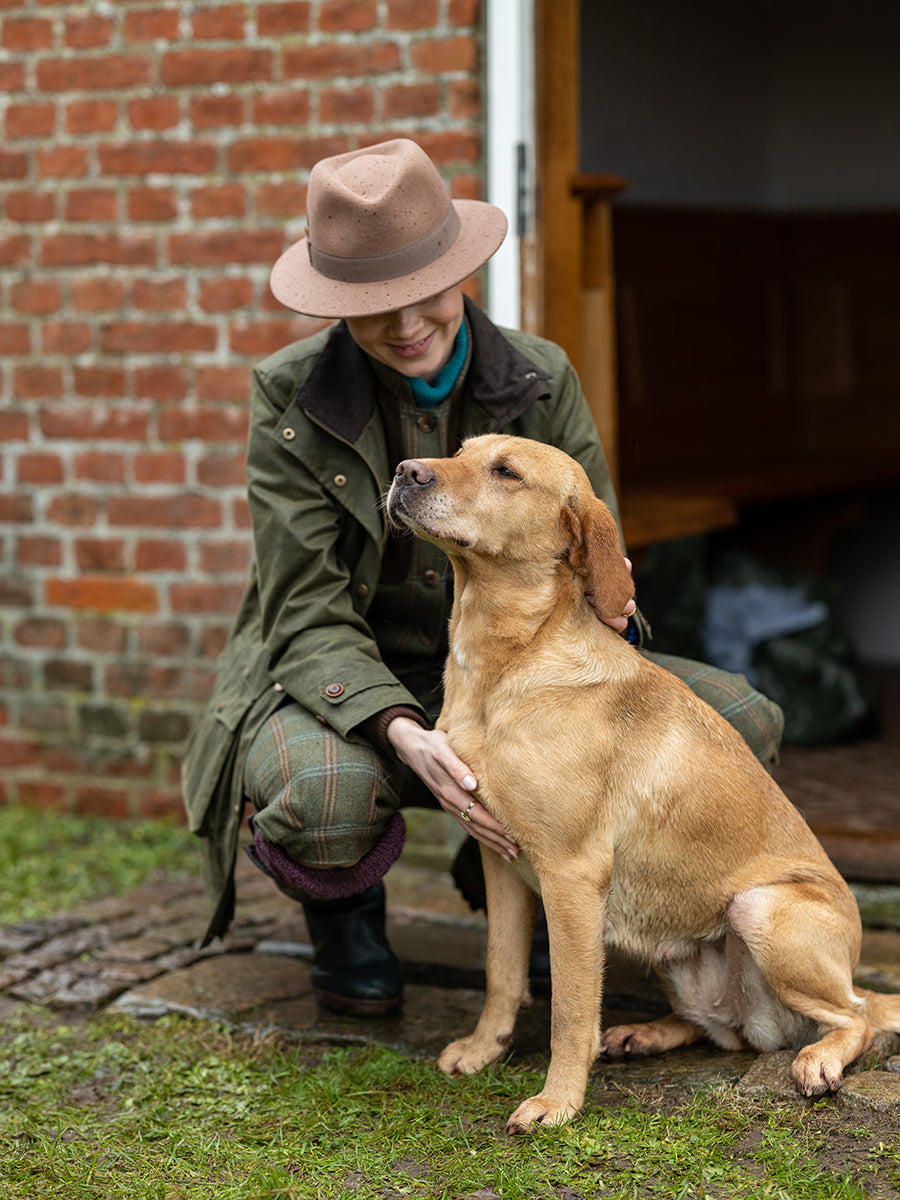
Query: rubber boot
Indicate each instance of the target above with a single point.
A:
(355, 972)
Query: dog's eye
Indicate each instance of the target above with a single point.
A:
(505, 472)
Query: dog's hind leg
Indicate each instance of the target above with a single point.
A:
(650, 1037)
(511, 908)
(574, 904)
(805, 939)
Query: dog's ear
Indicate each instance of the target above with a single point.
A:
(595, 553)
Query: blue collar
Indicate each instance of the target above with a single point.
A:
(427, 395)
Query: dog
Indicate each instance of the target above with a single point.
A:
(644, 820)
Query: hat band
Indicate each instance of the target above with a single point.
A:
(376, 268)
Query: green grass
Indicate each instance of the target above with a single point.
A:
(182, 1109)
(51, 861)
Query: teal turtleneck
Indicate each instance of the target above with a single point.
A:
(427, 395)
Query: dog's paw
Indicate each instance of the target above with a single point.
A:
(469, 1055)
(540, 1110)
(629, 1041)
(816, 1073)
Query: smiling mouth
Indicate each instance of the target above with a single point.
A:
(411, 349)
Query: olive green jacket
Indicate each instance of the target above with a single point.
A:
(317, 468)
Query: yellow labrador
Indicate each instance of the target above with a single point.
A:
(644, 820)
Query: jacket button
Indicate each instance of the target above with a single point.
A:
(288, 434)
(334, 689)
(340, 481)
(431, 579)
(362, 590)
(427, 424)
(277, 687)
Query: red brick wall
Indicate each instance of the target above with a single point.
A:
(152, 167)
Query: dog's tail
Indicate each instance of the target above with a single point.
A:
(882, 1011)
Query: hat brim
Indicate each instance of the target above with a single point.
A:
(297, 285)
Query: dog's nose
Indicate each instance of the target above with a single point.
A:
(414, 473)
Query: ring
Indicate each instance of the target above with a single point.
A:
(627, 615)
(464, 815)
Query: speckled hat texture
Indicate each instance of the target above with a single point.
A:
(382, 233)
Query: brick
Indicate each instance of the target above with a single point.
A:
(464, 12)
(439, 56)
(275, 153)
(43, 716)
(412, 14)
(16, 509)
(222, 248)
(18, 752)
(102, 635)
(165, 640)
(91, 116)
(73, 511)
(223, 383)
(286, 106)
(159, 295)
(12, 77)
(88, 249)
(103, 382)
(164, 512)
(38, 297)
(62, 162)
(452, 146)
(103, 594)
(152, 204)
(71, 421)
(42, 794)
(94, 466)
(347, 16)
(225, 293)
(68, 675)
(213, 112)
(157, 803)
(201, 67)
(213, 640)
(154, 112)
(225, 558)
(160, 555)
(30, 120)
(26, 34)
(30, 207)
(15, 339)
(15, 251)
(411, 100)
(152, 24)
(344, 105)
(221, 470)
(157, 337)
(38, 551)
(100, 800)
(176, 683)
(103, 720)
(205, 597)
(33, 381)
(256, 339)
(163, 725)
(94, 73)
(207, 425)
(92, 204)
(280, 199)
(15, 592)
(39, 469)
(100, 554)
(47, 633)
(159, 467)
(283, 19)
(14, 425)
(226, 22)
(66, 338)
(464, 99)
(328, 60)
(97, 294)
(13, 164)
(214, 202)
(160, 383)
(160, 156)
(84, 31)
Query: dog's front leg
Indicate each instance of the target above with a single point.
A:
(511, 907)
(574, 908)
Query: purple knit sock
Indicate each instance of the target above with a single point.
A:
(336, 882)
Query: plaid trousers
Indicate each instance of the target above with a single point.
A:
(326, 800)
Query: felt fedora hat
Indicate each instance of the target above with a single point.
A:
(382, 233)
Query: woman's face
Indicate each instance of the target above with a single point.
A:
(415, 341)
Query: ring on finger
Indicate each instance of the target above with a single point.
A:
(464, 815)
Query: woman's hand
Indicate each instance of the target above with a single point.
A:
(429, 754)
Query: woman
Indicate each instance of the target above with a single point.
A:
(329, 686)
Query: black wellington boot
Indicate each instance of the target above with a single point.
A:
(355, 972)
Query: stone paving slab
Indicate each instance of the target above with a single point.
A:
(138, 954)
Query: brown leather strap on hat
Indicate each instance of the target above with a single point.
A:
(375, 268)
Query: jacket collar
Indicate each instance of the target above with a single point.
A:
(502, 380)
